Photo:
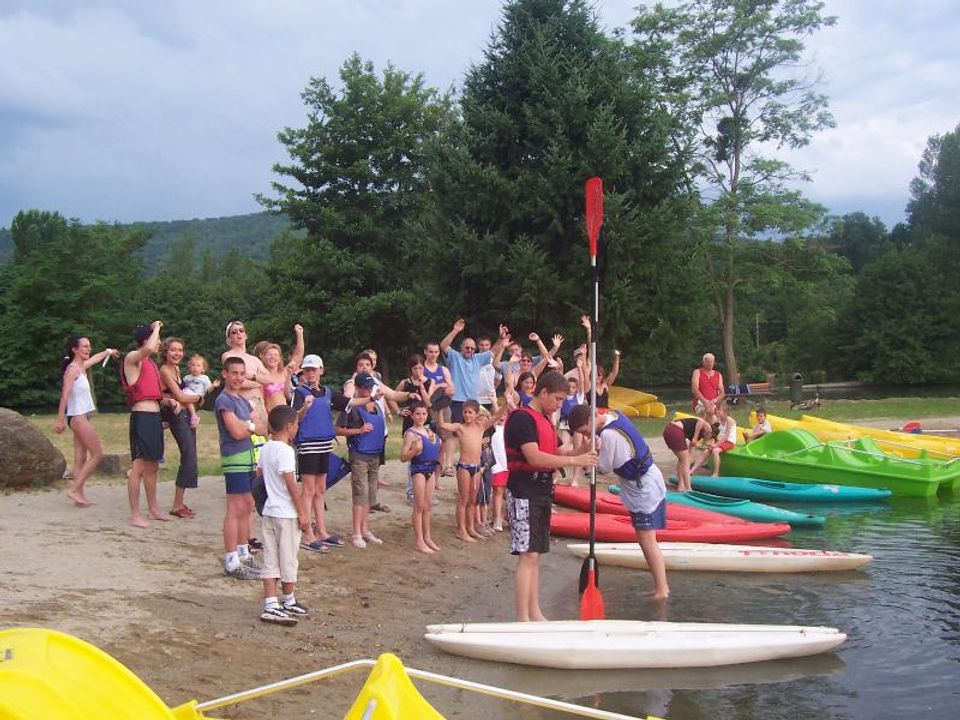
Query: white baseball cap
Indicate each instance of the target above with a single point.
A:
(312, 361)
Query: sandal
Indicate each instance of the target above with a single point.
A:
(380, 507)
(182, 512)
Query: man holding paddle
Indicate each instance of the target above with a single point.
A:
(532, 457)
(623, 451)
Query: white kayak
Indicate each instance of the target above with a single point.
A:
(608, 644)
(726, 558)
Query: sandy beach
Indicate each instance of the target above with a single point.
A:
(157, 600)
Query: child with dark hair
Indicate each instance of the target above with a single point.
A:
(421, 448)
(470, 434)
(284, 517)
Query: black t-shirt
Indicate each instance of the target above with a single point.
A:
(520, 430)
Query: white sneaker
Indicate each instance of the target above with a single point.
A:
(242, 572)
(372, 539)
(277, 616)
(358, 542)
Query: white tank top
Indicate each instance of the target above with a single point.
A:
(80, 401)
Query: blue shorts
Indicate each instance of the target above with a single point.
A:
(656, 520)
(238, 483)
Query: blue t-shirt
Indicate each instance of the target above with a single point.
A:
(465, 373)
(240, 407)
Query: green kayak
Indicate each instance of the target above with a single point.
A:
(798, 456)
(745, 509)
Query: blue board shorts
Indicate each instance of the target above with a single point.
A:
(656, 520)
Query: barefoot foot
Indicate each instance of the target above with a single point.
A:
(426, 549)
(157, 515)
(466, 538)
(139, 521)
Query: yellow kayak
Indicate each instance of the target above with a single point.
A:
(895, 443)
(46, 674)
(627, 396)
(624, 409)
(902, 445)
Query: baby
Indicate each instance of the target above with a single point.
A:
(197, 383)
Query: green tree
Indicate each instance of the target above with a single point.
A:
(554, 102)
(859, 239)
(734, 69)
(86, 281)
(359, 168)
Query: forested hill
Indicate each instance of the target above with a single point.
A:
(250, 234)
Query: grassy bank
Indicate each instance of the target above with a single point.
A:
(112, 427)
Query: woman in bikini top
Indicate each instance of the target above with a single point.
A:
(276, 380)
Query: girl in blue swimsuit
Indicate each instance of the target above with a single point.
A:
(421, 448)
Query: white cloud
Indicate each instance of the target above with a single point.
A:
(123, 109)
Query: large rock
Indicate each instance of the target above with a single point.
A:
(27, 458)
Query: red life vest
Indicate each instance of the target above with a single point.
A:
(546, 442)
(147, 386)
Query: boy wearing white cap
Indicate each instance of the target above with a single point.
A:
(314, 443)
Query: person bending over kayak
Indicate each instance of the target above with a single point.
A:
(623, 451)
(532, 456)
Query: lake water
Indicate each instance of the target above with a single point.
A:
(901, 614)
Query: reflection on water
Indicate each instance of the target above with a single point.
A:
(901, 614)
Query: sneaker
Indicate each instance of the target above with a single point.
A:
(372, 539)
(358, 542)
(242, 572)
(277, 616)
(295, 609)
(251, 562)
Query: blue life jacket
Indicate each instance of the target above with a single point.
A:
(430, 452)
(637, 466)
(569, 404)
(370, 443)
(317, 422)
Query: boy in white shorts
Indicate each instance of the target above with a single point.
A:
(284, 517)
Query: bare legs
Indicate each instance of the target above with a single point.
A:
(466, 502)
(235, 521)
(87, 454)
(145, 471)
(527, 592)
(314, 493)
(651, 553)
(498, 494)
(683, 470)
(422, 508)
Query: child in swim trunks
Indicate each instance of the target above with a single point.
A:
(197, 383)
(470, 434)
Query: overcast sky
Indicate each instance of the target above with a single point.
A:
(159, 110)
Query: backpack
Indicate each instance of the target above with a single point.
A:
(258, 489)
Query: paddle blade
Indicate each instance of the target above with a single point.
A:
(591, 602)
(593, 192)
(589, 573)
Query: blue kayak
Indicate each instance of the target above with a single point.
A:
(736, 507)
(776, 491)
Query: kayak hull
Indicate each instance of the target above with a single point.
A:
(779, 491)
(611, 644)
(798, 456)
(705, 557)
(745, 509)
(578, 498)
(617, 528)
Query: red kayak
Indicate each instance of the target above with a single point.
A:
(578, 498)
(617, 528)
